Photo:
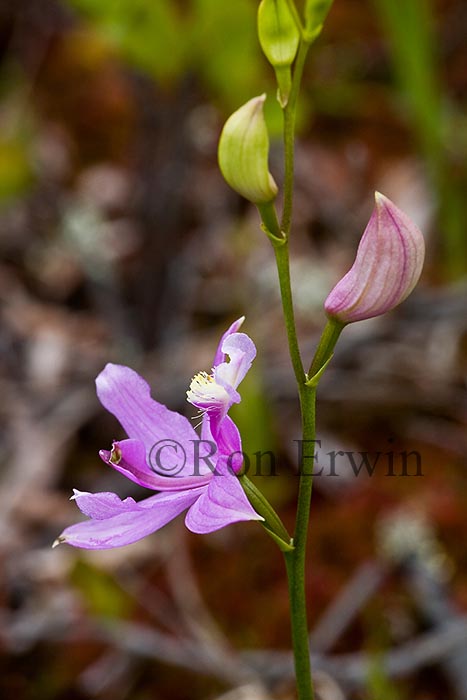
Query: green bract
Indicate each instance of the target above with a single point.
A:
(279, 38)
(243, 153)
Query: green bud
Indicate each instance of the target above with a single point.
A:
(315, 14)
(243, 153)
(279, 37)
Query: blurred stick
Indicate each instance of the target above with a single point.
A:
(21, 631)
(352, 670)
(433, 601)
(38, 448)
(199, 622)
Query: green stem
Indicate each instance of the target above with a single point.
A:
(283, 270)
(289, 136)
(295, 560)
(279, 235)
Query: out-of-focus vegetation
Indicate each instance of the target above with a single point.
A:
(217, 41)
(119, 241)
(438, 123)
(214, 40)
(16, 168)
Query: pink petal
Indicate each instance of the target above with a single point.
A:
(127, 525)
(224, 502)
(129, 458)
(215, 395)
(241, 350)
(101, 506)
(229, 444)
(125, 394)
(220, 356)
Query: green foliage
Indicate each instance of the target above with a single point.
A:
(215, 39)
(147, 32)
(15, 168)
(16, 135)
(409, 27)
(226, 49)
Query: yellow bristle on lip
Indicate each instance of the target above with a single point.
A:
(203, 387)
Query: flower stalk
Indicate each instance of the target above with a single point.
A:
(325, 350)
(279, 236)
(283, 271)
(295, 561)
(289, 112)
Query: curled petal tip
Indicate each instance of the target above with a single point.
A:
(76, 494)
(59, 540)
(387, 266)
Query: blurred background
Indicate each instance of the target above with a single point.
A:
(119, 241)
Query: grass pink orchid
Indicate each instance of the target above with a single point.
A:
(209, 490)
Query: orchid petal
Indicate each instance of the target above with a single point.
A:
(216, 393)
(100, 506)
(129, 524)
(127, 396)
(128, 457)
(224, 502)
(241, 350)
(229, 444)
(220, 355)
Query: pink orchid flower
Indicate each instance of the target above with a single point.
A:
(165, 454)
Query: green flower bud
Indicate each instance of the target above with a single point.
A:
(279, 37)
(315, 14)
(243, 153)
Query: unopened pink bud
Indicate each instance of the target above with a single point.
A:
(387, 267)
